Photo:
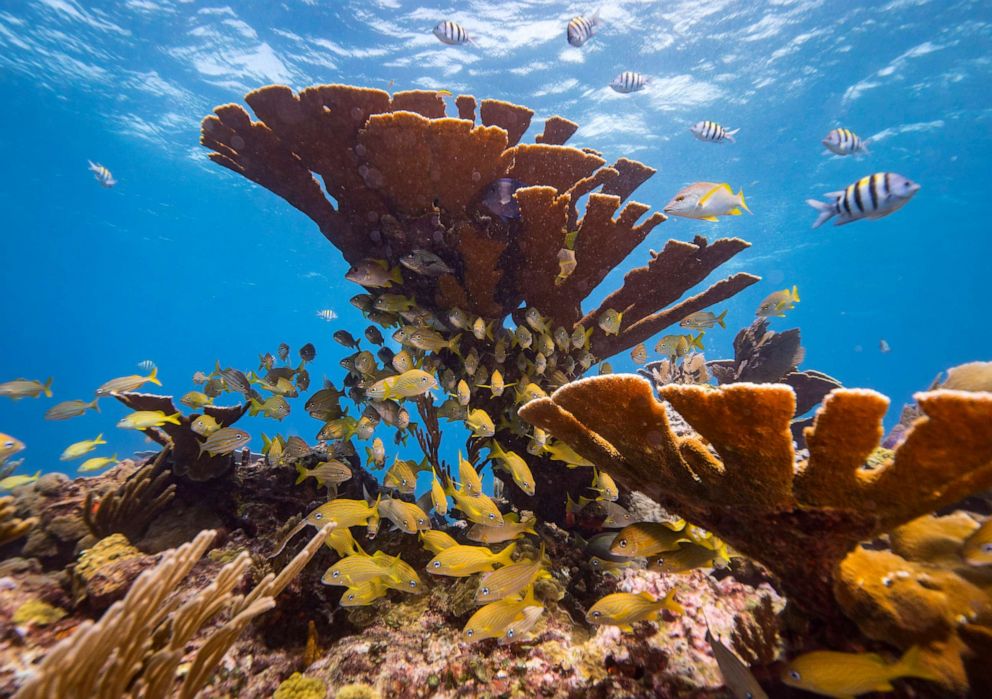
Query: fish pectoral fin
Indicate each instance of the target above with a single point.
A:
(626, 628)
(712, 219)
(734, 212)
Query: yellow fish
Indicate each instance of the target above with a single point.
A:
(777, 303)
(480, 330)
(401, 477)
(510, 579)
(703, 320)
(536, 321)
(331, 472)
(74, 451)
(610, 322)
(518, 630)
(341, 540)
(530, 391)
(376, 454)
(647, 539)
(515, 464)
(740, 681)
(409, 384)
(206, 425)
(603, 484)
(393, 303)
(406, 515)
(70, 409)
(468, 476)
(125, 384)
(354, 570)
(11, 482)
(196, 400)
(436, 541)
(477, 508)
(562, 452)
(678, 345)
(639, 354)
(342, 513)
(97, 463)
(480, 423)
(9, 446)
(144, 419)
(977, 549)
(496, 384)
(580, 338)
(511, 529)
(460, 561)
(691, 556)
(464, 394)
(401, 575)
(363, 594)
(605, 368)
(624, 609)
(25, 388)
(225, 441)
(438, 498)
(492, 620)
(403, 361)
(850, 674)
(706, 201)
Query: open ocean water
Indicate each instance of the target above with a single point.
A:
(184, 263)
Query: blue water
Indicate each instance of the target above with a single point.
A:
(185, 263)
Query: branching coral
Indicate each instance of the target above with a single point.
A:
(800, 524)
(189, 462)
(136, 502)
(135, 649)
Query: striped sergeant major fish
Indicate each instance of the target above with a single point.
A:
(102, 174)
(629, 81)
(874, 196)
(845, 142)
(452, 33)
(581, 29)
(712, 132)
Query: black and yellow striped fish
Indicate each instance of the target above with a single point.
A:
(451, 33)
(581, 29)
(102, 174)
(874, 196)
(844, 142)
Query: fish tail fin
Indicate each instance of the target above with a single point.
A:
(396, 275)
(585, 343)
(826, 211)
(95, 405)
(453, 345)
(47, 388)
(730, 135)
(795, 293)
(153, 377)
(864, 148)
(740, 200)
(912, 664)
(174, 418)
(697, 341)
(719, 319)
(254, 407)
(489, 330)
(302, 471)
(99, 439)
(672, 604)
(505, 557)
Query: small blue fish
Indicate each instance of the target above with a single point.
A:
(498, 198)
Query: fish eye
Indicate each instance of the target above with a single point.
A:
(413, 583)
(318, 516)
(595, 563)
(9, 445)
(887, 581)
(748, 695)
(596, 615)
(987, 548)
(469, 632)
(336, 574)
(794, 674)
(437, 564)
(679, 198)
(623, 543)
(351, 597)
(509, 633)
(485, 592)
(492, 516)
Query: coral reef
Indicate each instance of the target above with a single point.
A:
(11, 527)
(134, 504)
(799, 523)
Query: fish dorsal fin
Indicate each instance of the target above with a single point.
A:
(706, 197)
(645, 595)
(511, 517)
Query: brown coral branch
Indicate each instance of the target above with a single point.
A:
(557, 131)
(512, 118)
(632, 175)
(130, 509)
(799, 527)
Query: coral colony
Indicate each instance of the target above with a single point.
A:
(658, 537)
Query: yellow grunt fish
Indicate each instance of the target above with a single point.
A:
(850, 674)
(74, 451)
(363, 594)
(515, 464)
(225, 441)
(406, 515)
(977, 549)
(510, 579)
(477, 508)
(409, 384)
(128, 383)
(511, 529)
(562, 452)
(436, 541)
(479, 422)
(492, 620)
(70, 409)
(690, 556)
(610, 321)
(145, 419)
(331, 472)
(9, 446)
(206, 425)
(438, 498)
(468, 477)
(460, 561)
(624, 609)
(777, 303)
(196, 400)
(603, 484)
(11, 482)
(647, 539)
(97, 463)
(25, 388)
(401, 477)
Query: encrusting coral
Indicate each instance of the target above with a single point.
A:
(137, 645)
(800, 523)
